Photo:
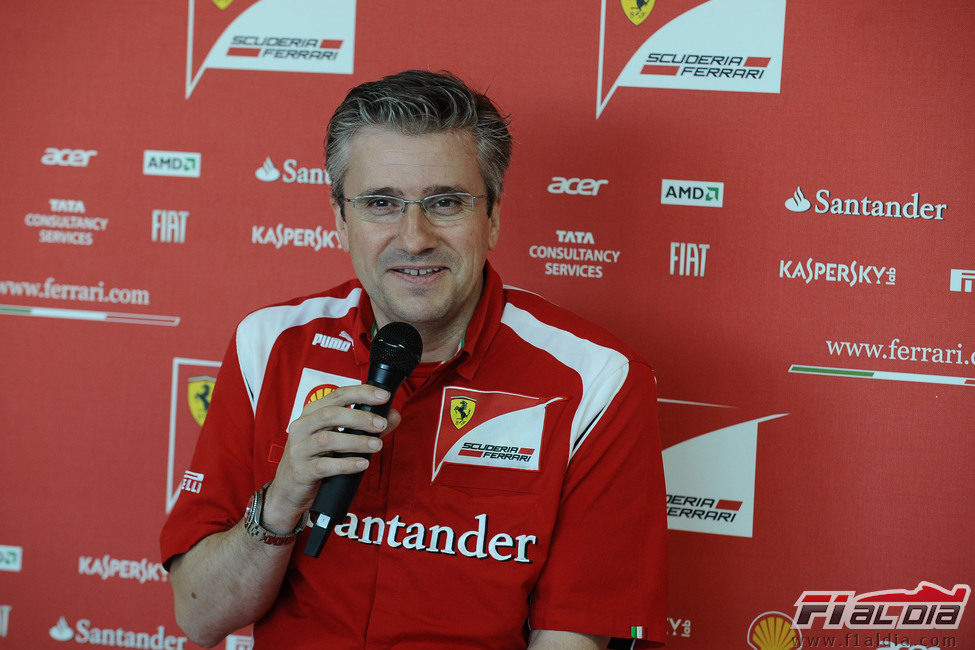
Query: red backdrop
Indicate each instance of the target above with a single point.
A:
(772, 203)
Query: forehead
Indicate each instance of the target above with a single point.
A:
(386, 158)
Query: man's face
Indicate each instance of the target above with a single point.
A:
(426, 275)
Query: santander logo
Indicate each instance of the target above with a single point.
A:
(267, 172)
(798, 201)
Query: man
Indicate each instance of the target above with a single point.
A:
(515, 495)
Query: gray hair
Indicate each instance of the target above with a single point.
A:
(417, 102)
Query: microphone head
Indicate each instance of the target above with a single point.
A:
(398, 346)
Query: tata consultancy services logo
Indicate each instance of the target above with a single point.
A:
(271, 35)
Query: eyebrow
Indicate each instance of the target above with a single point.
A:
(429, 190)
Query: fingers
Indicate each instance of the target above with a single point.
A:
(328, 442)
(330, 438)
(346, 395)
(330, 411)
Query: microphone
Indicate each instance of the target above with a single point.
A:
(394, 353)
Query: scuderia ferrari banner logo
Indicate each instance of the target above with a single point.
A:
(489, 429)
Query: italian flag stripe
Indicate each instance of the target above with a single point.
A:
(883, 374)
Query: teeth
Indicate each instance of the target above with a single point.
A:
(419, 271)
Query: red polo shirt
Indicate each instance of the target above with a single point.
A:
(524, 483)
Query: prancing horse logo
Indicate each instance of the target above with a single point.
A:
(637, 10)
(461, 410)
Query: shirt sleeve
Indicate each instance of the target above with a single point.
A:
(606, 569)
(223, 458)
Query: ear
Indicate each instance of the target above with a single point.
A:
(494, 227)
(341, 226)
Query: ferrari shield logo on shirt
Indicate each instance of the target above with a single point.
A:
(461, 410)
(198, 391)
(505, 429)
(637, 10)
(314, 385)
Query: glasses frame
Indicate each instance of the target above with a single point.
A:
(420, 202)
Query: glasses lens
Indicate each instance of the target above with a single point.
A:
(377, 207)
(449, 206)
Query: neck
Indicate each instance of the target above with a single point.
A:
(440, 344)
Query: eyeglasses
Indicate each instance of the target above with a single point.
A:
(441, 209)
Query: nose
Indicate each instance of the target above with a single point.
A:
(416, 233)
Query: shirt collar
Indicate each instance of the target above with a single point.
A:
(483, 325)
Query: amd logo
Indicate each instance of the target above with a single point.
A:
(67, 157)
(583, 186)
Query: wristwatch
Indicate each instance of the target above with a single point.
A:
(254, 527)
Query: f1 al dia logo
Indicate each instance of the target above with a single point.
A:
(718, 45)
(270, 35)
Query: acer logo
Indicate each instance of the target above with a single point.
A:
(67, 157)
(584, 186)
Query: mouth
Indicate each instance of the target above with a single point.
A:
(416, 273)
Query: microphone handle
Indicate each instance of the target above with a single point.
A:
(335, 494)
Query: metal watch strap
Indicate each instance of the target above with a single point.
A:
(255, 528)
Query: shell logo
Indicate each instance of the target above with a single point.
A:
(774, 631)
(319, 392)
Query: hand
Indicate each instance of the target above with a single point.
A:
(313, 439)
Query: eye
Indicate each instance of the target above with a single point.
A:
(381, 206)
(446, 204)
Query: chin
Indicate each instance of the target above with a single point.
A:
(414, 310)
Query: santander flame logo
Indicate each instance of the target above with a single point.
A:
(798, 201)
(267, 172)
